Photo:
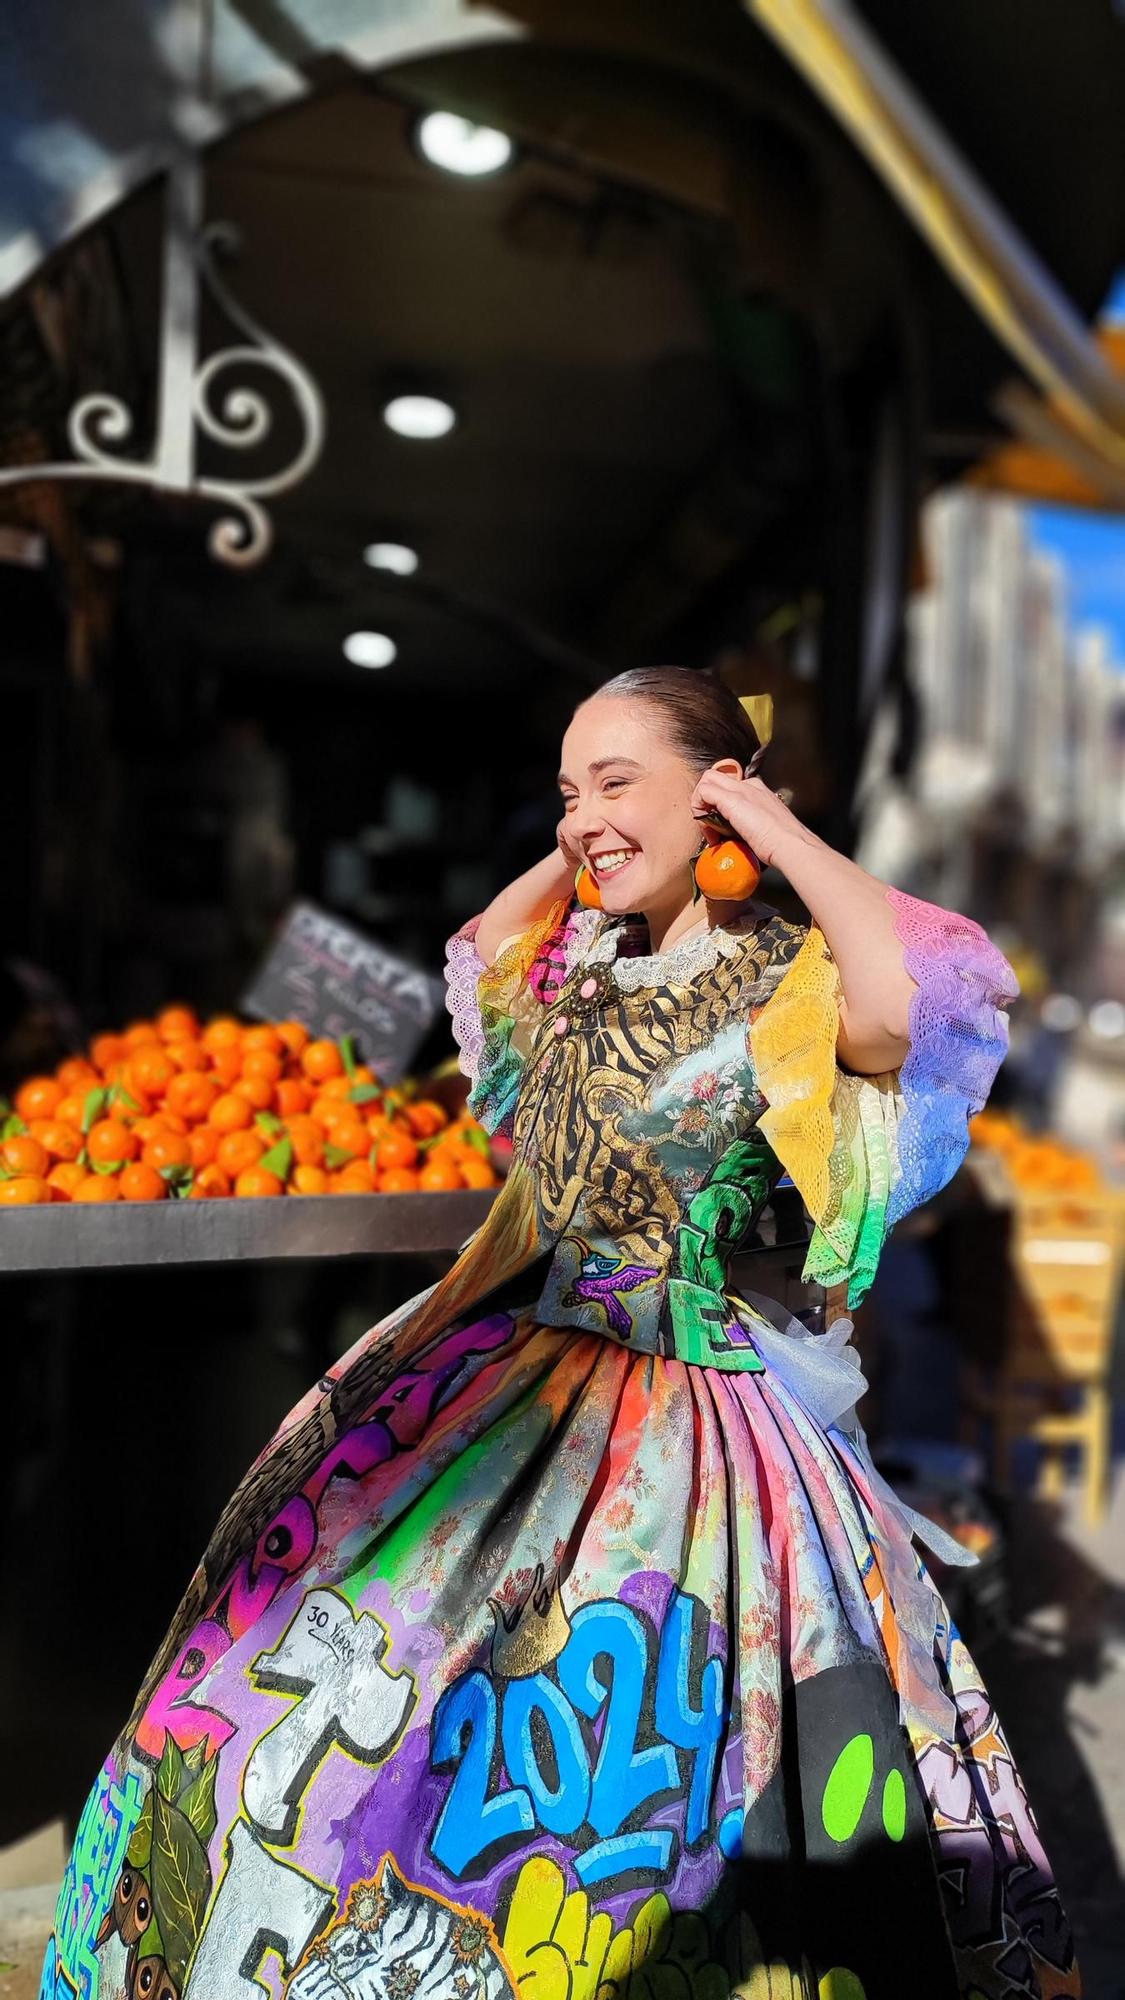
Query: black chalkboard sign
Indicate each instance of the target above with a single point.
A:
(337, 982)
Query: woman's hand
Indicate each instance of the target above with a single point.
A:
(568, 847)
(749, 808)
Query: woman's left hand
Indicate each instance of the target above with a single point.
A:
(750, 809)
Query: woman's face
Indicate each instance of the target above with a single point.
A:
(627, 799)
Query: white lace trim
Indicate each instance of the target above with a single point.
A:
(679, 965)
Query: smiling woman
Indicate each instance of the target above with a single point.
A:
(597, 1633)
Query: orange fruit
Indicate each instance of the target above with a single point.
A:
(141, 1182)
(209, 1182)
(167, 1149)
(256, 1090)
(586, 888)
(293, 1096)
(154, 1123)
(62, 1142)
(396, 1149)
(293, 1035)
(726, 871)
(307, 1139)
(177, 1024)
(150, 1071)
(258, 1061)
(262, 1035)
(39, 1097)
(71, 1108)
(188, 1055)
(76, 1074)
(231, 1113)
(358, 1177)
(24, 1191)
(138, 1034)
(425, 1118)
(351, 1136)
(257, 1181)
(477, 1172)
(97, 1187)
(191, 1095)
(24, 1155)
(64, 1178)
(226, 1066)
(397, 1180)
(109, 1140)
(440, 1174)
(106, 1049)
(204, 1142)
(309, 1180)
(239, 1150)
(322, 1060)
(327, 1110)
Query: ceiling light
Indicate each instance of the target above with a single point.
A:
(394, 556)
(369, 649)
(419, 416)
(462, 147)
(1106, 1019)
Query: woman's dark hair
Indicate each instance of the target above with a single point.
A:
(700, 714)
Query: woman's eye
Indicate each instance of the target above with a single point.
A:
(613, 783)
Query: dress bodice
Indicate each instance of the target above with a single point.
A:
(637, 1116)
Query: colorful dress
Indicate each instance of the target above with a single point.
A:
(564, 1642)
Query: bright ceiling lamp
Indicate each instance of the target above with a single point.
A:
(394, 556)
(419, 416)
(369, 649)
(460, 147)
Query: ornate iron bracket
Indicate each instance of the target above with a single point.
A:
(190, 398)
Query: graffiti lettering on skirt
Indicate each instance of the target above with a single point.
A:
(625, 1722)
(108, 1818)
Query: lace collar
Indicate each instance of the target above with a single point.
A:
(596, 939)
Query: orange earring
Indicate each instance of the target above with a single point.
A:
(726, 869)
(586, 889)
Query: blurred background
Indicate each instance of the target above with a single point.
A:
(375, 381)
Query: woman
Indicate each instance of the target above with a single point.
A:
(564, 1642)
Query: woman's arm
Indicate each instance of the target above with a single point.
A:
(847, 904)
(524, 902)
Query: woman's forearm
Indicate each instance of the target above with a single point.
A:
(852, 909)
(525, 901)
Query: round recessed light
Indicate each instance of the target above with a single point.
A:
(369, 649)
(419, 416)
(1106, 1019)
(394, 556)
(460, 147)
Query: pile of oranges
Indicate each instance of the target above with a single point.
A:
(1036, 1163)
(175, 1108)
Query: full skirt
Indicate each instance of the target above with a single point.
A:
(565, 1672)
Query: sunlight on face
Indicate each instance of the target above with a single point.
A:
(627, 796)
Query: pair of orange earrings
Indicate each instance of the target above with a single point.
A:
(726, 870)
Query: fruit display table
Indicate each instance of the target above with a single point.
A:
(119, 1234)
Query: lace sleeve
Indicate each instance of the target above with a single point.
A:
(865, 1150)
(494, 1006)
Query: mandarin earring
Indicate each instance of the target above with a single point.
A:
(726, 869)
(586, 889)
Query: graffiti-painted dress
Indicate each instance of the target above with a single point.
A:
(564, 1642)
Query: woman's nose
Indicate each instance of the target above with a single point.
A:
(587, 820)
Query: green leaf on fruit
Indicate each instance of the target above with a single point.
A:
(12, 1127)
(268, 1121)
(279, 1159)
(479, 1140)
(364, 1093)
(119, 1095)
(92, 1108)
(108, 1166)
(337, 1156)
(347, 1051)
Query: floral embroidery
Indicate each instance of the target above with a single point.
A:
(708, 1108)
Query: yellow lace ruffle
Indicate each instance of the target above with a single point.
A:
(834, 1133)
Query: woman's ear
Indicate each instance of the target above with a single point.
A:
(729, 767)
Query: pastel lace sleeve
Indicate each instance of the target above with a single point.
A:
(494, 1008)
(865, 1150)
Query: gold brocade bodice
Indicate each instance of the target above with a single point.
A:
(636, 1124)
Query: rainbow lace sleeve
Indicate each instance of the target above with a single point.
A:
(493, 1007)
(865, 1150)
